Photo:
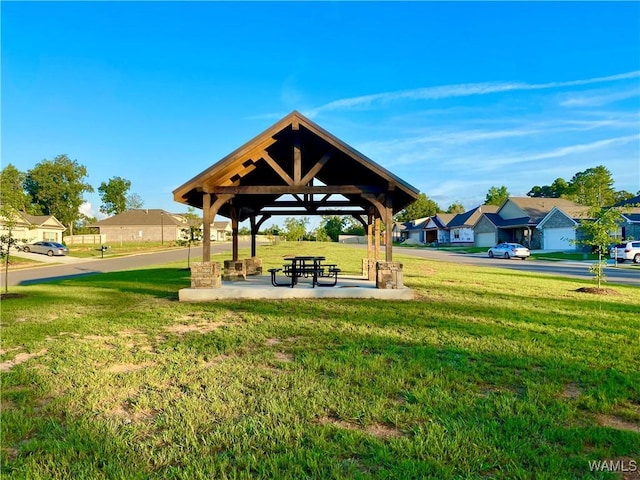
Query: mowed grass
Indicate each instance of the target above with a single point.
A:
(489, 373)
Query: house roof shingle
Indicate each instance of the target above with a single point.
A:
(471, 217)
(150, 216)
(537, 207)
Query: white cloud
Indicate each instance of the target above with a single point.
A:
(597, 98)
(459, 90)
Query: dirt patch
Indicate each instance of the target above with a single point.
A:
(284, 357)
(598, 291)
(20, 358)
(219, 359)
(203, 327)
(128, 367)
(127, 415)
(613, 421)
(270, 342)
(571, 391)
(378, 430)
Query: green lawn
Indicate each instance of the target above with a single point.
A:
(489, 373)
(116, 249)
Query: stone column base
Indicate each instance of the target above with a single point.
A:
(234, 270)
(205, 275)
(389, 275)
(253, 266)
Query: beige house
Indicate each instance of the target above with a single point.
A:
(142, 225)
(33, 228)
(151, 225)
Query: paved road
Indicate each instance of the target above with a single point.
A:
(628, 274)
(67, 267)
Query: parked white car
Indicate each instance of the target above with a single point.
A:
(509, 250)
(626, 251)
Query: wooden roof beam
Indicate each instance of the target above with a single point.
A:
(294, 189)
(315, 169)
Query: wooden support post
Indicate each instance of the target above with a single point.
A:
(254, 231)
(388, 222)
(376, 242)
(206, 227)
(234, 234)
(370, 236)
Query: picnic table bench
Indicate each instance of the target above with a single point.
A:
(306, 267)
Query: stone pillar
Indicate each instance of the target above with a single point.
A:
(205, 275)
(389, 275)
(369, 269)
(253, 266)
(234, 270)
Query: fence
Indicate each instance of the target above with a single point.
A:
(85, 239)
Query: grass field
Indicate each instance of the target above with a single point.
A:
(489, 373)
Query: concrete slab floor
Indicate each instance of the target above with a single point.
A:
(259, 287)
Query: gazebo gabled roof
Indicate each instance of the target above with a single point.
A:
(296, 167)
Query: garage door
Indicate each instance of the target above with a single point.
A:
(559, 238)
(485, 239)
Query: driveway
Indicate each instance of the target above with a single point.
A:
(39, 257)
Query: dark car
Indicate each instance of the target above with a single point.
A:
(48, 248)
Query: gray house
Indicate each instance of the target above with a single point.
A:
(518, 220)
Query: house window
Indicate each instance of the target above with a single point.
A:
(456, 234)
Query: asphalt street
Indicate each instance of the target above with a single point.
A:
(626, 274)
(68, 267)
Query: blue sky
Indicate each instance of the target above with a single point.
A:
(451, 97)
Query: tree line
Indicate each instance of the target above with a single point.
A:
(57, 187)
(593, 187)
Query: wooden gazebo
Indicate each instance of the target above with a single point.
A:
(297, 168)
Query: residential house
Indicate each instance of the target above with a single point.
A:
(415, 230)
(630, 228)
(399, 231)
(558, 229)
(518, 218)
(141, 225)
(436, 230)
(152, 225)
(461, 226)
(33, 228)
(220, 231)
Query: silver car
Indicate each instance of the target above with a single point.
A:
(48, 248)
(508, 250)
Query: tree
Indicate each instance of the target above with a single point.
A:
(496, 195)
(621, 196)
(134, 202)
(597, 235)
(193, 231)
(114, 195)
(592, 187)
(57, 186)
(333, 226)
(555, 190)
(295, 228)
(13, 200)
(456, 207)
(353, 227)
(12, 191)
(422, 207)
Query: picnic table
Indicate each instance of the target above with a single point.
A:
(306, 267)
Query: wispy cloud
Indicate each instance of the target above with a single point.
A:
(459, 90)
(598, 98)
